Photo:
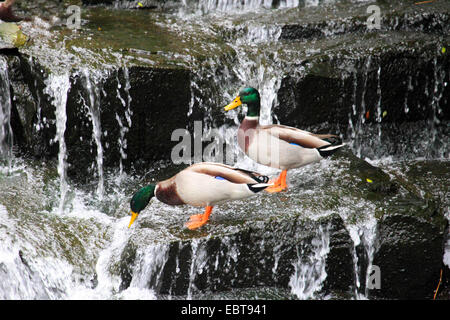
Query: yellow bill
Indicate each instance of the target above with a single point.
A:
(133, 217)
(236, 103)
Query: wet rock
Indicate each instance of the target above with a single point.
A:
(301, 254)
(159, 104)
(414, 21)
(30, 108)
(409, 252)
(364, 83)
(339, 269)
(387, 93)
(25, 108)
(333, 84)
(417, 221)
(292, 251)
(266, 254)
(410, 234)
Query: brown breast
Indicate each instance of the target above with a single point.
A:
(167, 192)
(246, 133)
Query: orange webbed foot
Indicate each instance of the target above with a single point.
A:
(198, 220)
(279, 184)
(275, 188)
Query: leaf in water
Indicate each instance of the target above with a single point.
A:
(11, 36)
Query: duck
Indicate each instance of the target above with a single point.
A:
(278, 146)
(203, 184)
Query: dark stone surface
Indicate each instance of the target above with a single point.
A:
(327, 91)
(410, 242)
(159, 104)
(247, 258)
(399, 20)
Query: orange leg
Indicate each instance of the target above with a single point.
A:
(279, 184)
(198, 220)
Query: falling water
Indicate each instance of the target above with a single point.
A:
(436, 147)
(409, 87)
(94, 92)
(198, 261)
(369, 235)
(309, 269)
(379, 112)
(261, 71)
(207, 6)
(148, 272)
(360, 111)
(6, 134)
(251, 65)
(127, 106)
(57, 87)
(363, 235)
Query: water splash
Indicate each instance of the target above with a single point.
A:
(362, 231)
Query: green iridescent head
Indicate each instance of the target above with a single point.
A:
(250, 97)
(140, 200)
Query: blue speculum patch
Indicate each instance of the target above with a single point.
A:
(295, 144)
(220, 178)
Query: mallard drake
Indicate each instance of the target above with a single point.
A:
(278, 146)
(202, 184)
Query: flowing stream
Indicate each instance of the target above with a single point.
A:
(63, 241)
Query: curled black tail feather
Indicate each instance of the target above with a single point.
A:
(333, 140)
(255, 176)
(261, 179)
(328, 150)
(257, 187)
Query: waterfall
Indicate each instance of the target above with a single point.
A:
(198, 261)
(93, 107)
(229, 73)
(6, 134)
(124, 128)
(437, 148)
(148, 270)
(158, 254)
(309, 269)
(57, 87)
(359, 110)
(207, 6)
(379, 114)
(363, 235)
